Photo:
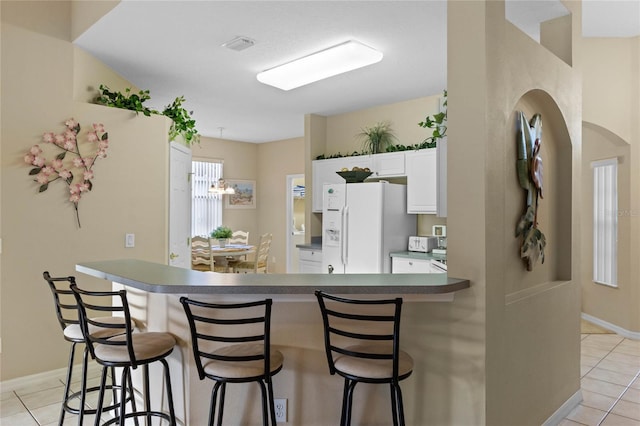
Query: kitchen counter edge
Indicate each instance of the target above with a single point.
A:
(159, 278)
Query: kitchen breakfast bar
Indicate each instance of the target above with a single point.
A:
(313, 396)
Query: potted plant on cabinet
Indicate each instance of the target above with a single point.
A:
(222, 234)
(377, 138)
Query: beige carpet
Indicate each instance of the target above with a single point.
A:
(590, 328)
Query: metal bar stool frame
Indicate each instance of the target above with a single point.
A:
(65, 303)
(202, 314)
(96, 343)
(333, 309)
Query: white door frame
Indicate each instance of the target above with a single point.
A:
(179, 206)
(289, 228)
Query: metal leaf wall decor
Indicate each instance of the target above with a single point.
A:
(530, 176)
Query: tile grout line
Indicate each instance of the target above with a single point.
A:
(26, 408)
(623, 392)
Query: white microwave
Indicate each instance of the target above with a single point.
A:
(422, 244)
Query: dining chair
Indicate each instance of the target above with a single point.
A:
(66, 308)
(243, 330)
(126, 350)
(261, 261)
(238, 237)
(201, 252)
(362, 344)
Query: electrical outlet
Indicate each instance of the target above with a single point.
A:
(281, 410)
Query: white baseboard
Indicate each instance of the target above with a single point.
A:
(52, 376)
(564, 410)
(612, 327)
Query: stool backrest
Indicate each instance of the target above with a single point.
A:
(65, 303)
(365, 323)
(100, 330)
(228, 323)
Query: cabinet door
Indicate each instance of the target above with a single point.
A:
(422, 181)
(310, 262)
(403, 265)
(388, 164)
(442, 177)
(324, 171)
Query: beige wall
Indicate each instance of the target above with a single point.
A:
(611, 129)
(276, 161)
(268, 164)
(39, 231)
(240, 161)
(525, 343)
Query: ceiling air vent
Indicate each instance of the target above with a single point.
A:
(239, 43)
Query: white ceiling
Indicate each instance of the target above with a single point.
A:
(173, 48)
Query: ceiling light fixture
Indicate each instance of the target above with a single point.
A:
(221, 188)
(326, 63)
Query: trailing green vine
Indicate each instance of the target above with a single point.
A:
(182, 123)
(437, 122)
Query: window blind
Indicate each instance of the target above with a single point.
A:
(605, 222)
(206, 208)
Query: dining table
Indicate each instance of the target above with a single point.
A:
(222, 255)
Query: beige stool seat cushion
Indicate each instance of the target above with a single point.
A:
(372, 368)
(242, 369)
(74, 333)
(146, 346)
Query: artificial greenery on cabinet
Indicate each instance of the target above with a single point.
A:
(182, 122)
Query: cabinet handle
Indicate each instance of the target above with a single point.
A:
(410, 263)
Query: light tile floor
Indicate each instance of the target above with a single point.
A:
(39, 404)
(610, 382)
(610, 377)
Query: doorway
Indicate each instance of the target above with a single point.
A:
(295, 219)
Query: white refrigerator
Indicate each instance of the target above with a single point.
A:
(361, 224)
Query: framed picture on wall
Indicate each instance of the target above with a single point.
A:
(245, 194)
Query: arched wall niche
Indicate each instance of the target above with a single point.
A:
(554, 209)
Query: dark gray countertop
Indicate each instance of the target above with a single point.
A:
(158, 278)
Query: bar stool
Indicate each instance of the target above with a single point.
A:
(363, 355)
(126, 350)
(67, 313)
(248, 359)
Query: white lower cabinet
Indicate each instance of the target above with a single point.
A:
(405, 265)
(310, 261)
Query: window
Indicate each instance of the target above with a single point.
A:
(206, 208)
(605, 222)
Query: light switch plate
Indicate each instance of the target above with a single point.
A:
(130, 240)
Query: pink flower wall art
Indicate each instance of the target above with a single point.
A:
(70, 166)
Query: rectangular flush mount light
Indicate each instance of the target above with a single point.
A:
(335, 60)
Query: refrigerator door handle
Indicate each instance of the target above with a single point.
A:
(345, 235)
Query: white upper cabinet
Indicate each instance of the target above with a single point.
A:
(442, 177)
(422, 181)
(425, 169)
(389, 164)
